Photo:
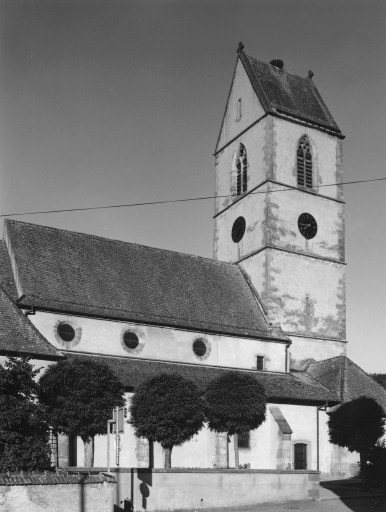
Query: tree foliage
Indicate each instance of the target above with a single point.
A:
(380, 378)
(167, 409)
(357, 425)
(80, 395)
(24, 430)
(236, 403)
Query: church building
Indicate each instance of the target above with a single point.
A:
(271, 302)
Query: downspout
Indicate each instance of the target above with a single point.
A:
(317, 438)
(317, 433)
(287, 355)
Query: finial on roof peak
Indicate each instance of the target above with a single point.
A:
(310, 74)
(240, 47)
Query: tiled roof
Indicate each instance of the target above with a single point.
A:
(7, 280)
(346, 379)
(18, 335)
(282, 92)
(278, 386)
(86, 274)
(53, 479)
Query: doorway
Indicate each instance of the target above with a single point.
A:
(300, 456)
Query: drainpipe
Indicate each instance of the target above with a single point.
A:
(324, 408)
(317, 438)
(287, 356)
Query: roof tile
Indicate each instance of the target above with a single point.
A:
(278, 386)
(93, 275)
(18, 335)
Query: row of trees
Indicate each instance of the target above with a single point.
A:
(170, 410)
(76, 397)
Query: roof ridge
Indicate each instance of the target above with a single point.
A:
(113, 240)
(283, 70)
(324, 360)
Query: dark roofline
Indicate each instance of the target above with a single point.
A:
(77, 311)
(33, 355)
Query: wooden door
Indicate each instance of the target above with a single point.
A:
(300, 456)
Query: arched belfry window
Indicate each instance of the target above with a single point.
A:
(241, 168)
(304, 163)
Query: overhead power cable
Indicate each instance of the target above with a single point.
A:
(148, 203)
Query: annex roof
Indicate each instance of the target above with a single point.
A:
(7, 280)
(346, 380)
(18, 335)
(279, 387)
(282, 92)
(86, 274)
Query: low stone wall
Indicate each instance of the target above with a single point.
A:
(59, 493)
(192, 489)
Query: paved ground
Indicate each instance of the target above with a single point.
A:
(345, 505)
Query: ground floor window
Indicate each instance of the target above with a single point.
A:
(300, 456)
(244, 440)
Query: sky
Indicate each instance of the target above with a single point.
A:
(116, 102)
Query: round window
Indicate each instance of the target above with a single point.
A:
(238, 229)
(66, 332)
(199, 348)
(131, 340)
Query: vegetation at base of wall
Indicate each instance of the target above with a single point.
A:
(236, 404)
(80, 395)
(24, 430)
(358, 425)
(376, 466)
(167, 409)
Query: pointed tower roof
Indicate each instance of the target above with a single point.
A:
(286, 95)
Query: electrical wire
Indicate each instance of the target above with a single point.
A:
(179, 200)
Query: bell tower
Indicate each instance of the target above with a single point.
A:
(279, 209)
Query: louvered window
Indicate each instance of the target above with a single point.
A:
(242, 173)
(304, 163)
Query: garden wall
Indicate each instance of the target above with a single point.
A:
(47, 493)
(193, 489)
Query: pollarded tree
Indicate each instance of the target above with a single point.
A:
(80, 395)
(167, 409)
(24, 430)
(236, 404)
(357, 425)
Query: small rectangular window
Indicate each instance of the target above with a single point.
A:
(259, 363)
(239, 109)
(244, 440)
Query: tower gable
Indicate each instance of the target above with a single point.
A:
(243, 107)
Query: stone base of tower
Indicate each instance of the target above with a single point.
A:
(303, 349)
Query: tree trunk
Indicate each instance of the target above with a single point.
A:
(236, 441)
(89, 453)
(363, 460)
(168, 457)
(228, 440)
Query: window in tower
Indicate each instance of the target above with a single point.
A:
(241, 167)
(239, 109)
(304, 163)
